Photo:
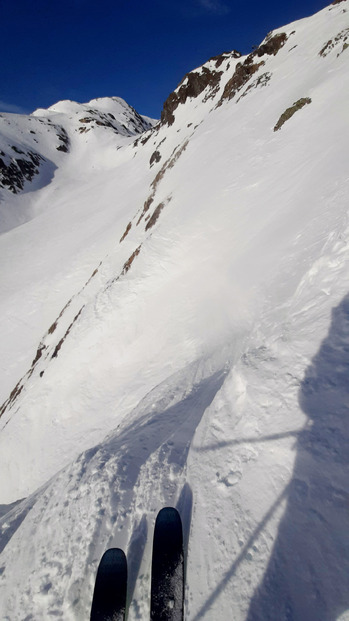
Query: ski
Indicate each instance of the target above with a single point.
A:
(109, 596)
(167, 575)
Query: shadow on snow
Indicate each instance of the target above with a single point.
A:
(308, 572)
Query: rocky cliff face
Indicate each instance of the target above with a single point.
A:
(207, 78)
(212, 74)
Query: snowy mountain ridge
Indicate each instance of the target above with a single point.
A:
(33, 147)
(175, 332)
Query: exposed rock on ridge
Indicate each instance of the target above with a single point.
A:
(193, 84)
(245, 70)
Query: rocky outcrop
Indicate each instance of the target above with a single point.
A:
(242, 74)
(260, 81)
(130, 260)
(155, 158)
(272, 45)
(64, 140)
(154, 185)
(220, 58)
(195, 82)
(131, 124)
(298, 105)
(61, 341)
(126, 232)
(101, 119)
(15, 171)
(192, 85)
(154, 216)
(244, 71)
(342, 36)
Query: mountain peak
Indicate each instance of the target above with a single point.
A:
(31, 145)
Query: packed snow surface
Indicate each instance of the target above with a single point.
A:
(175, 331)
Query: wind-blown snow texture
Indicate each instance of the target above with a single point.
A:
(175, 331)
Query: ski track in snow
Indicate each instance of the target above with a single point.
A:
(210, 374)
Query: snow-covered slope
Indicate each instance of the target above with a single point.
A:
(176, 331)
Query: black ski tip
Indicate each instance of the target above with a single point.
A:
(167, 577)
(168, 535)
(168, 515)
(109, 597)
(112, 560)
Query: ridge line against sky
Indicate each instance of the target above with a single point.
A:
(135, 50)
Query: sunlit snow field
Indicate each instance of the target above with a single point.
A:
(211, 374)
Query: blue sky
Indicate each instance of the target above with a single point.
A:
(138, 50)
